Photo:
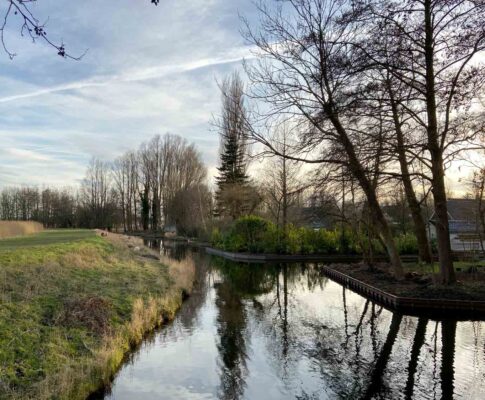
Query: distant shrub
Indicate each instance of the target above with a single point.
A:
(256, 235)
(248, 234)
(19, 228)
(407, 244)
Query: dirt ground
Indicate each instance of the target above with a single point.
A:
(470, 285)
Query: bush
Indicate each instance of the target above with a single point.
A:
(407, 244)
(256, 235)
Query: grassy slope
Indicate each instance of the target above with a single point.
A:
(71, 304)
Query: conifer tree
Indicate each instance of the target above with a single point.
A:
(232, 180)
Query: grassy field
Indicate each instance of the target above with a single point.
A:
(45, 238)
(71, 304)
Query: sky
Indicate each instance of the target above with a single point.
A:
(148, 70)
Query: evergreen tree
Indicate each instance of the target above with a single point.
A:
(232, 175)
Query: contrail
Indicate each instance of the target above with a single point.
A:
(135, 75)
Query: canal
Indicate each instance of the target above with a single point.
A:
(288, 332)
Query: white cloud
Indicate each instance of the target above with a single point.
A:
(149, 70)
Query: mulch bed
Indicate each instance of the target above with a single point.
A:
(470, 286)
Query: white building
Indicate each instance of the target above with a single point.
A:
(466, 232)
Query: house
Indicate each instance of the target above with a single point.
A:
(466, 231)
(170, 231)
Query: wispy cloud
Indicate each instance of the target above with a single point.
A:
(136, 75)
(148, 71)
(27, 154)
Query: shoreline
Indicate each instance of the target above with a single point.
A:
(409, 305)
(262, 258)
(374, 290)
(172, 302)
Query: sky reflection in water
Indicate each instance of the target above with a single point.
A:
(287, 332)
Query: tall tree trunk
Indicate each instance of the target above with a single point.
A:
(376, 211)
(155, 212)
(145, 208)
(434, 146)
(285, 195)
(424, 248)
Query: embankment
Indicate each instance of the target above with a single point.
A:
(71, 310)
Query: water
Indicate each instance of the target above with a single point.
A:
(288, 332)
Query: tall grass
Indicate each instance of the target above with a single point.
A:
(19, 228)
(181, 272)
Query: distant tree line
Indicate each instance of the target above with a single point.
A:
(162, 183)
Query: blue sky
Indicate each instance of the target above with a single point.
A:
(148, 70)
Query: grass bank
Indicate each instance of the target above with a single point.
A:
(72, 304)
(19, 228)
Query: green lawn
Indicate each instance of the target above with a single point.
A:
(49, 237)
(71, 304)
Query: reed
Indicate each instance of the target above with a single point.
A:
(19, 228)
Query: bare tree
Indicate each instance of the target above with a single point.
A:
(307, 71)
(32, 27)
(232, 126)
(97, 195)
(431, 47)
(282, 183)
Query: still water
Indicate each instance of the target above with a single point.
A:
(288, 332)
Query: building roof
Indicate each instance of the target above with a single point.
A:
(463, 210)
(462, 214)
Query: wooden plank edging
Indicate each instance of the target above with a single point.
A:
(258, 258)
(403, 303)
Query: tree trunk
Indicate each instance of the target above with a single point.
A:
(438, 180)
(155, 212)
(424, 248)
(145, 208)
(376, 211)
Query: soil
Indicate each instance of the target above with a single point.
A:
(469, 286)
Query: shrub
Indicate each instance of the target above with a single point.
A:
(407, 244)
(248, 233)
(256, 235)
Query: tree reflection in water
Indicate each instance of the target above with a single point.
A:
(357, 355)
(287, 332)
(236, 283)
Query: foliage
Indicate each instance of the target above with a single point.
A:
(407, 244)
(256, 235)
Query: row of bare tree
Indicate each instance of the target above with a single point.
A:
(377, 90)
(163, 183)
